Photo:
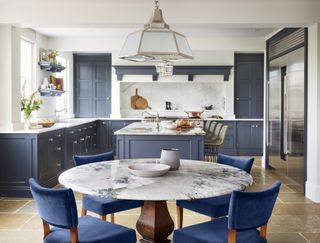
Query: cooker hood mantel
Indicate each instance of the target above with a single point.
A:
(177, 70)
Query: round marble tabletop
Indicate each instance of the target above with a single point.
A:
(193, 180)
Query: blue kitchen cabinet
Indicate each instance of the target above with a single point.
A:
(229, 144)
(113, 126)
(249, 138)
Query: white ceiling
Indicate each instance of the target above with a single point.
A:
(208, 31)
(212, 18)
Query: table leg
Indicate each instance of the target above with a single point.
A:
(155, 223)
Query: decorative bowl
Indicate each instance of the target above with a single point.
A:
(148, 170)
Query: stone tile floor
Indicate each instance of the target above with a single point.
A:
(295, 219)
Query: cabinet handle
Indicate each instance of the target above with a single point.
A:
(71, 132)
(81, 139)
(50, 139)
(59, 135)
(237, 98)
(90, 126)
(87, 137)
(75, 142)
(104, 123)
(84, 128)
(252, 125)
(58, 148)
(257, 126)
(79, 130)
(94, 145)
(59, 165)
(94, 134)
(94, 125)
(124, 123)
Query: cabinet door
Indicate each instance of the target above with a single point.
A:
(229, 144)
(259, 136)
(103, 135)
(245, 136)
(249, 69)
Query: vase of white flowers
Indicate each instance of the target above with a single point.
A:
(29, 104)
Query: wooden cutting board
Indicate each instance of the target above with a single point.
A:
(138, 102)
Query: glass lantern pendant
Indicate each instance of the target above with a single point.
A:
(156, 43)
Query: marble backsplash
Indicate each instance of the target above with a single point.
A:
(183, 96)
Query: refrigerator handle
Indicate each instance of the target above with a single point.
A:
(285, 118)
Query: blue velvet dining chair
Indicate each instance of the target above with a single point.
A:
(214, 207)
(247, 212)
(57, 207)
(102, 205)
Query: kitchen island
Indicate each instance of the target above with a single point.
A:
(144, 140)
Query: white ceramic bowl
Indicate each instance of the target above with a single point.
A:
(171, 126)
(148, 170)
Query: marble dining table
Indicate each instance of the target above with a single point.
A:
(193, 180)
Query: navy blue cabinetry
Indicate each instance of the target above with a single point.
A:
(249, 138)
(113, 126)
(17, 162)
(229, 144)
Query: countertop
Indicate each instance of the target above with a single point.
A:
(138, 128)
(67, 123)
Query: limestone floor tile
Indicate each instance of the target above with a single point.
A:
(194, 219)
(296, 209)
(312, 237)
(21, 236)
(293, 198)
(259, 187)
(29, 207)
(34, 223)
(285, 238)
(294, 223)
(127, 220)
(9, 206)
(296, 188)
(13, 221)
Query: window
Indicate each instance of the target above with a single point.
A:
(26, 64)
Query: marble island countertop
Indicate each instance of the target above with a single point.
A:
(142, 128)
(194, 179)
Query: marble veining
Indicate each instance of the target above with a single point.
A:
(141, 128)
(193, 180)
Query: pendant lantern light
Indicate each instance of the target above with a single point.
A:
(156, 43)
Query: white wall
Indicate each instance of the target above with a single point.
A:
(313, 142)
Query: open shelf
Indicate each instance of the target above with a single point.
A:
(51, 92)
(51, 67)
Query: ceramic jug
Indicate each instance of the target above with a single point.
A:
(171, 157)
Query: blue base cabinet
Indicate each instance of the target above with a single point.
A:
(249, 138)
(149, 146)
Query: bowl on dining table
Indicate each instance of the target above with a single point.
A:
(148, 170)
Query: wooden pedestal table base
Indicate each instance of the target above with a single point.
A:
(155, 223)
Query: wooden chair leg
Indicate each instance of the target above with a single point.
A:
(103, 217)
(232, 236)
(112, 218)
(83, 212)
(179, 217)
(263, 231)
(46, 228)
(74, 234)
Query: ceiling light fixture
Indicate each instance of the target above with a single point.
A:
(156, 43)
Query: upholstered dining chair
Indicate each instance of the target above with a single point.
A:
(102, 205)
(57, 207)
(247, 212)
(214, 207)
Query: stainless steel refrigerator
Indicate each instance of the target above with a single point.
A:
(286, 115)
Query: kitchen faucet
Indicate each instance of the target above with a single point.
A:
(57, 111)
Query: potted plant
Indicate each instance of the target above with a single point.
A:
(29, 104)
